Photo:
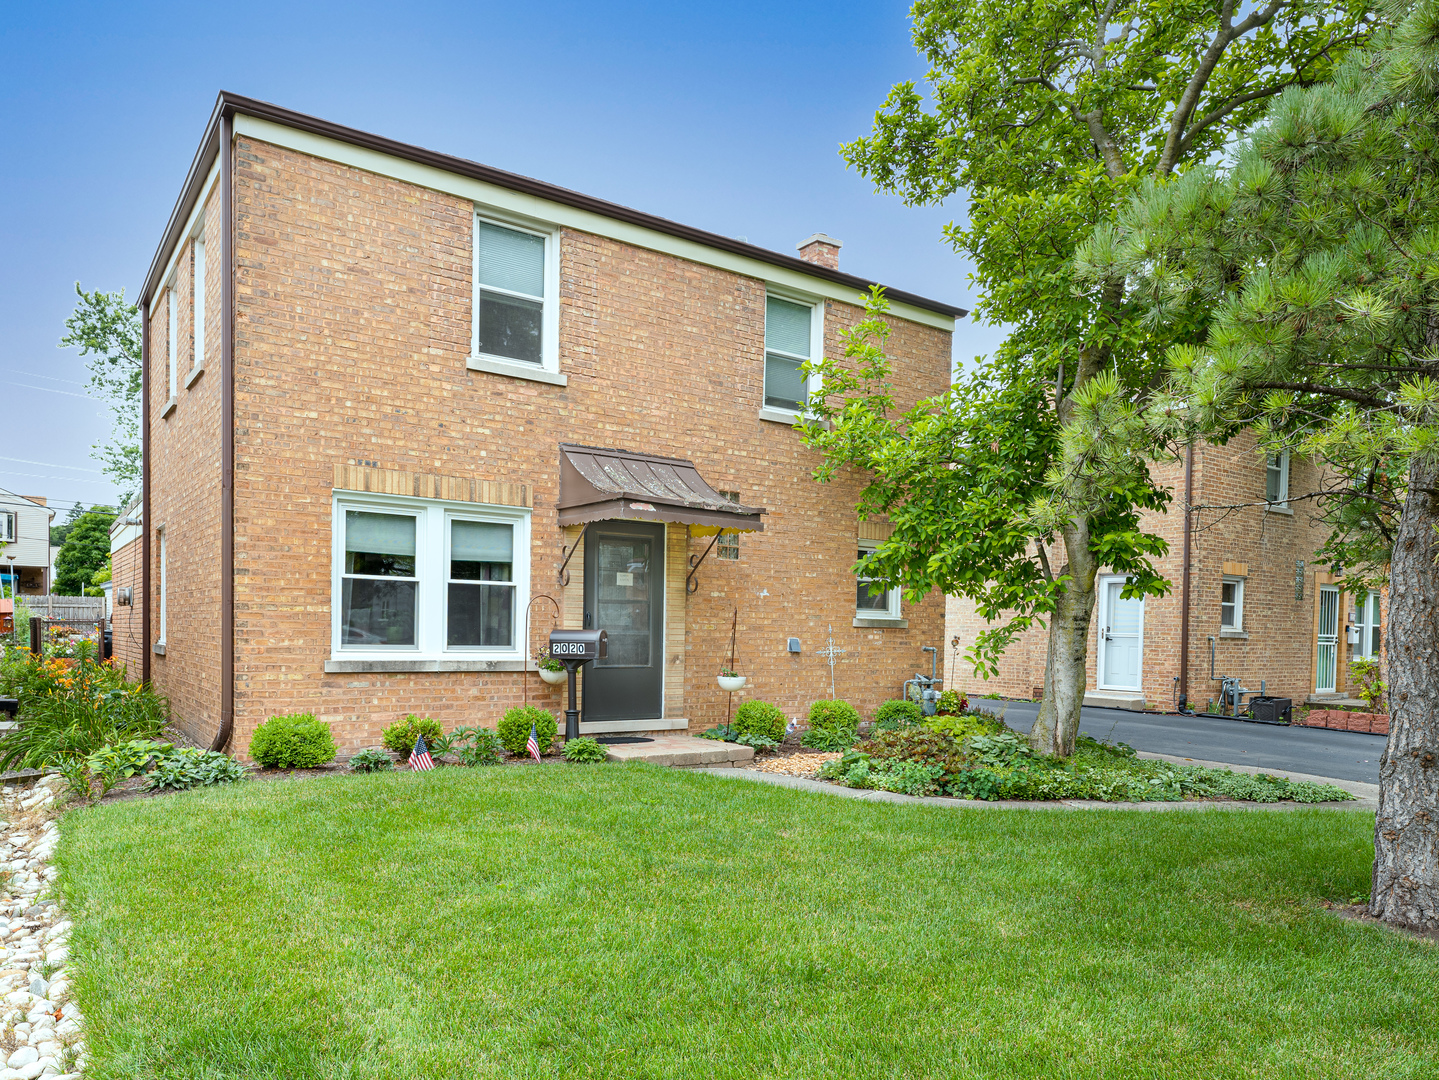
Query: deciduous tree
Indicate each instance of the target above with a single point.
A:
(106, 329)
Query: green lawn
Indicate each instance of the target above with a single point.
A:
(630, 921)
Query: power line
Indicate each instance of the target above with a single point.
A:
(51, 465)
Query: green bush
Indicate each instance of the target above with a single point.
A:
(760, 718)
(761, 743)
(400, 736)
(110, 765)
(830, 715)
(897, 713)
(298, 741)
(584, 751)
(371, 760)
(476, 746)
(828, 739)
(952, 703)
(514, 728)
(720, 733)
(191, 767)
(962, 727)
(860, 770)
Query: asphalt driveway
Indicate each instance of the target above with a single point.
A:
(1344, 755)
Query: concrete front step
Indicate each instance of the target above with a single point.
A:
(1114, 699)
(682, 751)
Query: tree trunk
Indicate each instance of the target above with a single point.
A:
(1066, 671)
(1406, 841)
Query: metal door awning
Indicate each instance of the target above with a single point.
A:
(597, 484)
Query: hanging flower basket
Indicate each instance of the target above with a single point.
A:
(551, 670)
(732, 682)
(554, 678)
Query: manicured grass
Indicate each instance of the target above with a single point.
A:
(571, 921)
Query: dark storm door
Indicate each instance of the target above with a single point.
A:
(625, 596)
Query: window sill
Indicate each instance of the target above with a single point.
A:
(780, 416)
(334, 666)
(169, 408)
(1234, 635)
(516, 370)
(891, 622)
(158, 648)
(1277, 508)
(194, 376)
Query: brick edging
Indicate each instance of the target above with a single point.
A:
(1343, 720)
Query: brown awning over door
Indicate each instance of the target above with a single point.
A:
(598, 484)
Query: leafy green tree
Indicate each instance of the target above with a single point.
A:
(85, 551)
(1048, 114)
(106, 329)
(1316, 248)
(62, 530)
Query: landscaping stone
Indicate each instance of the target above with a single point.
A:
(22, 1057)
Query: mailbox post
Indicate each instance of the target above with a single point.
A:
(575, 648)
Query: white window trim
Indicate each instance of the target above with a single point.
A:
(816, 353)
(548, 370)
(161, 637)
(891, 612)
(9, 526)
(1282, 503)
(1370, 609)
(197, 308)
(1238, 583)
(432, 541)
(172, 344)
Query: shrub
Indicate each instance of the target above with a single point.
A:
(110, 765)
(828, 739)
(897, 713)
(962, 727)
(371, 760)
(298, 741)
(400, 736)
(922, 746)
(761, 743)
(514, 728)
(584, 751)
(830, 715)
(476, 746)
(720, 733)
(862, 771)
(191, 767)
(952, 703)
(760, 718)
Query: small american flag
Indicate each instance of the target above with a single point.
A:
(533, 744)
(420, 759)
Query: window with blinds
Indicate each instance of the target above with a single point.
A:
(787, 346)
(510, 288)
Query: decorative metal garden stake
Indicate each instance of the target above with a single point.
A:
(733, 627)
(830, 653)
(528, 655)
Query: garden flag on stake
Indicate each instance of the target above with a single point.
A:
(420, 759)
(533, 744)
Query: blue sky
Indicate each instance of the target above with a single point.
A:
(726, 117)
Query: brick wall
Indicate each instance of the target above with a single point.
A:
(1279, 630)
(125, 619)
(352, 334)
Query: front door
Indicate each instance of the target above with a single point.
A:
(1326, 665)
(1121, 637)
(625, 597)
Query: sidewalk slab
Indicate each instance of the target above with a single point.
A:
(682, 751)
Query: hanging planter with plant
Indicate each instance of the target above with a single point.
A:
(731, 680)
(551, 670)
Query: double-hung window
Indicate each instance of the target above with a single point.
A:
(197, 306)
(7, 526)
(1367, 648)
(1231, 604)
(869, 604)
(419, 579)
(172, 346)
(164, 589)
(516, 311)
(1276, 479)
(788, 344)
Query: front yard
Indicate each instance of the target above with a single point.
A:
(631, 921)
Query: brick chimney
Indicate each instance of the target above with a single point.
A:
(820, 249)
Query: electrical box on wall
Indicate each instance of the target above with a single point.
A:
(794, 644)
(1351, 635)
(125, 596)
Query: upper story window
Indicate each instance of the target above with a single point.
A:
(8, 526)
(788, 344)
(172, 316)
(874, 605)
(1276, 485)
(197, 305)
(427, 580)
(516, 310)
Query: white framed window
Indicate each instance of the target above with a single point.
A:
(727, 544)
(8, 526)
(1367, 648)
(197, 305)
(1231, 604)
(1276, 479)
(874, 605)
(515, 313)
(164, 588)
(171, 342)
(793, 331)
(421, 579)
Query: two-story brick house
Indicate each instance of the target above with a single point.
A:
(1256, 601)
(405, 413)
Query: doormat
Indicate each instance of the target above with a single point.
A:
(613, 740)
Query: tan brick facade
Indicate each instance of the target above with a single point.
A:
(1261, 546)
(352, 334)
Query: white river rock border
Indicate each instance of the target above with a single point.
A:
(40, 1027)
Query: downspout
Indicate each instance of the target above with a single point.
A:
(1184, 583)
(227, 433)
(144, 492)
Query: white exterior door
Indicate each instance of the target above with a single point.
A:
(1121, 638)
(1326, 664)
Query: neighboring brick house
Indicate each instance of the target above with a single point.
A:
(1255, 592)
(379, 382)
(127, 594)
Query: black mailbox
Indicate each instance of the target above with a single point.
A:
(579, 644)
